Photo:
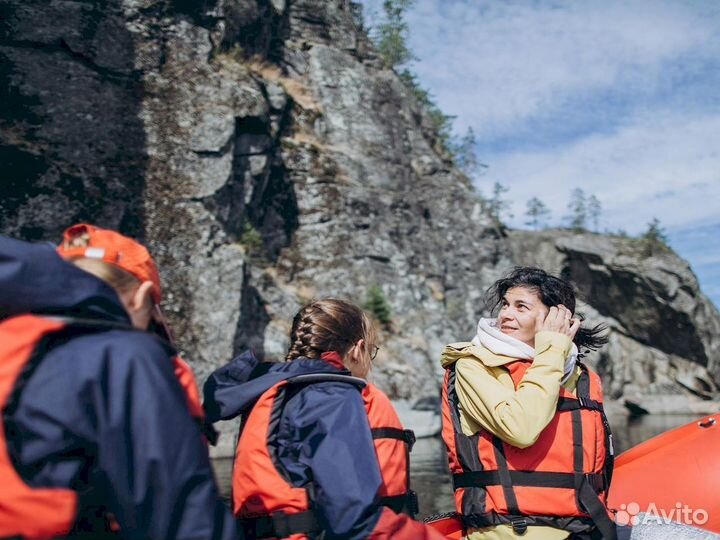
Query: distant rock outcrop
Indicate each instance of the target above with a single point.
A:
(664, 350)
(267, 157)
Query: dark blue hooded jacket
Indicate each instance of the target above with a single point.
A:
(103, 413)
(323, 442)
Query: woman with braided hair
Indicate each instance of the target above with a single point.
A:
(321, 452)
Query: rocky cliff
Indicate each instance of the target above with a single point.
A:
(267, 157)
(664, 350)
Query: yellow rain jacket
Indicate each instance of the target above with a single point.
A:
(488, 400)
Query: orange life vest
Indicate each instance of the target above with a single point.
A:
(39, 513)
(561, 480)
(268, 505)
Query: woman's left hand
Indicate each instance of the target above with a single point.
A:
(558, 319)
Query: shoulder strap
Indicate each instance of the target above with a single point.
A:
(311, 378)
(405, 435)
(584, 393)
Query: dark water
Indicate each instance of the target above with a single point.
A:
(429, 470)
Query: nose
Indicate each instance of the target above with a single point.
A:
(506, 313)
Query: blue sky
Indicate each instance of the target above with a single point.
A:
(619, 98)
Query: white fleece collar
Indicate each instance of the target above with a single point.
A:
(495, 341)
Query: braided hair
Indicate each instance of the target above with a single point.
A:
(552, 291)
(327, 325)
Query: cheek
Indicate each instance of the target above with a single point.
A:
(527, 319)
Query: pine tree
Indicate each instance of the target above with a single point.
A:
(390, 37)
(577, 219)
(654, 239)
(594, 209)
(536, 212)
(392, 34)
(498, 205)
(466, 155)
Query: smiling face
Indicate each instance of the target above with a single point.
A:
(518, 311)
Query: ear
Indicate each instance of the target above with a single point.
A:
(354, 355)
(139, 305)
(357, 359)
(143, 296)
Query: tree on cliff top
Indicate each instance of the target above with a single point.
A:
(497, 205)
(466, 158)
(392, 34)
(654, 239)
(537, 212)
(577, 219)
(594, 210)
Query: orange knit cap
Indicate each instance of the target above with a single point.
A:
(113, 248)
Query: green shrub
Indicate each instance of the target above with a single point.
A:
(378, 306)
(251, 238)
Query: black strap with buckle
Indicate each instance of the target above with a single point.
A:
(519, 525)
(407, 503)
(279, 525)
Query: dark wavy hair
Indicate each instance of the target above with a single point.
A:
(552, 291)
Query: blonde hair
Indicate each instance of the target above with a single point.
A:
(116, 277)
(329, 325)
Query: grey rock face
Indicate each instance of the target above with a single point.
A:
(664, 340)
(71, 137)
(268, 158)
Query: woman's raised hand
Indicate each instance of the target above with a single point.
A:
(558, 319)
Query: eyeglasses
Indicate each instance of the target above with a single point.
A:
(375, 351)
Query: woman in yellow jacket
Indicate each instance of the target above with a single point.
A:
(528, 442)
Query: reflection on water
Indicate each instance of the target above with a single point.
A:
(429, 471)
(223, 473)
(430, 477)
(632, 431)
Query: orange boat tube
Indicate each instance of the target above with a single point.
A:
(674, 477)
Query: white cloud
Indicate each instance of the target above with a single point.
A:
(497, 64)
(665, 166)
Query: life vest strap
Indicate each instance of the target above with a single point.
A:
(579, 526)
(405, 435)
(407, 503)
(571, 404)
(310, 378)
(482, 479)
(279, 525)
(594, 506)
(504, 476)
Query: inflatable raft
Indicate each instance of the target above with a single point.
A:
(674, 477)
(671, 478)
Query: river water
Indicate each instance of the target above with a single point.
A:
(429, 471)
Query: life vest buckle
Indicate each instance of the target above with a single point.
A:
(413, 505)
(519, 525)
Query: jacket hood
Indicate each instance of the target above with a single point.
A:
(35, 279)
(465, 349)
(234, 387)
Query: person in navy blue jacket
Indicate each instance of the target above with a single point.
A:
(309, 459)
(95, 413)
